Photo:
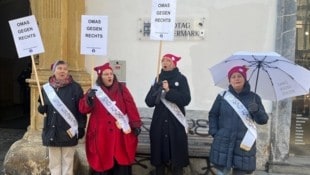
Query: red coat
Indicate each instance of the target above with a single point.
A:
(104, 141)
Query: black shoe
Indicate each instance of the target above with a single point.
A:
(177, 171)
(160, 170)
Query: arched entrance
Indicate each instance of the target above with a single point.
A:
(14, 94)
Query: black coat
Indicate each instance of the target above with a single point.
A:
(167, 135)
(54, 126)
(228, 131)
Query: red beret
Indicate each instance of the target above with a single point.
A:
(241, 69)
(100, 69)
(173, 58)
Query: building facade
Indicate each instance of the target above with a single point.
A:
(206, 33)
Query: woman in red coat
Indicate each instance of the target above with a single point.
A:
(114, 125)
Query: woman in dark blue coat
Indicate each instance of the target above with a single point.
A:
(167, 135)
(63, 124)
(229, 124)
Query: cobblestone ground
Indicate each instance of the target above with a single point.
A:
(7, 138)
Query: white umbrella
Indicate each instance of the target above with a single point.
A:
(270, 75)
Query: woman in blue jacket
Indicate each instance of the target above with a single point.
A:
(231, 123)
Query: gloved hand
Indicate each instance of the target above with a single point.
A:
(42, 108)
(81, 133)
(157, 92)
(136, 131)
(90, 96)
(253, 107)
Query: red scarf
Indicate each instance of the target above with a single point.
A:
(60, 83)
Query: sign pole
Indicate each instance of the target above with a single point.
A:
(37, 79)
(159, 58)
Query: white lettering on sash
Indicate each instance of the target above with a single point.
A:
(62, 109)
(175, 110)
(121, 118)
(241, 110)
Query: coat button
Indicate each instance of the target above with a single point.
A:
(166, 121)
(53, 126)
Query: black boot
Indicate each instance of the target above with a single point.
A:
(160, 170)
(177, 171)
(93, 172)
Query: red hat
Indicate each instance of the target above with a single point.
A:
(241, 69)
(173, 58)
(100, 69)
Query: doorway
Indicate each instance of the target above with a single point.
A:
(14, 91)
(300, 123)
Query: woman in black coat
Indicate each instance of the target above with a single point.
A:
(167, 135)
(63, 124)
(229, 125)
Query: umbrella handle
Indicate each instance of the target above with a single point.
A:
(258, 67)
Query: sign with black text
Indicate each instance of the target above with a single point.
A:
(163, 19)
(94, 35)
(26, 36)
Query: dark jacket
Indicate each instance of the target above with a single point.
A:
(167, 135)
(228, 131)
(54, 126)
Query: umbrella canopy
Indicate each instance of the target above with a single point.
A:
(270, 75)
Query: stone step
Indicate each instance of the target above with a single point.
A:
(293, 165)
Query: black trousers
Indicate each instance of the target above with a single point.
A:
(160, 170)
(116, 170)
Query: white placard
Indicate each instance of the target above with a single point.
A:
(94, 34)
(26, 36)
(163, 19)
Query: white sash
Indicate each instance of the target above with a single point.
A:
(241, 110)
(113, 109)
(175, 110)
(62, 109)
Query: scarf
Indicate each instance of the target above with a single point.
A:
(168, 75)
(60, 83)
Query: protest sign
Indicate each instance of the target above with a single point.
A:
(163, 19)
(26, 36)
(94, 35)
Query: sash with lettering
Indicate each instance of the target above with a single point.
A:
(175, 110)
(62, 109)
(121, 118)
(241, 110)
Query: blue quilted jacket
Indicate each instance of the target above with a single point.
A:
(228, 130)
